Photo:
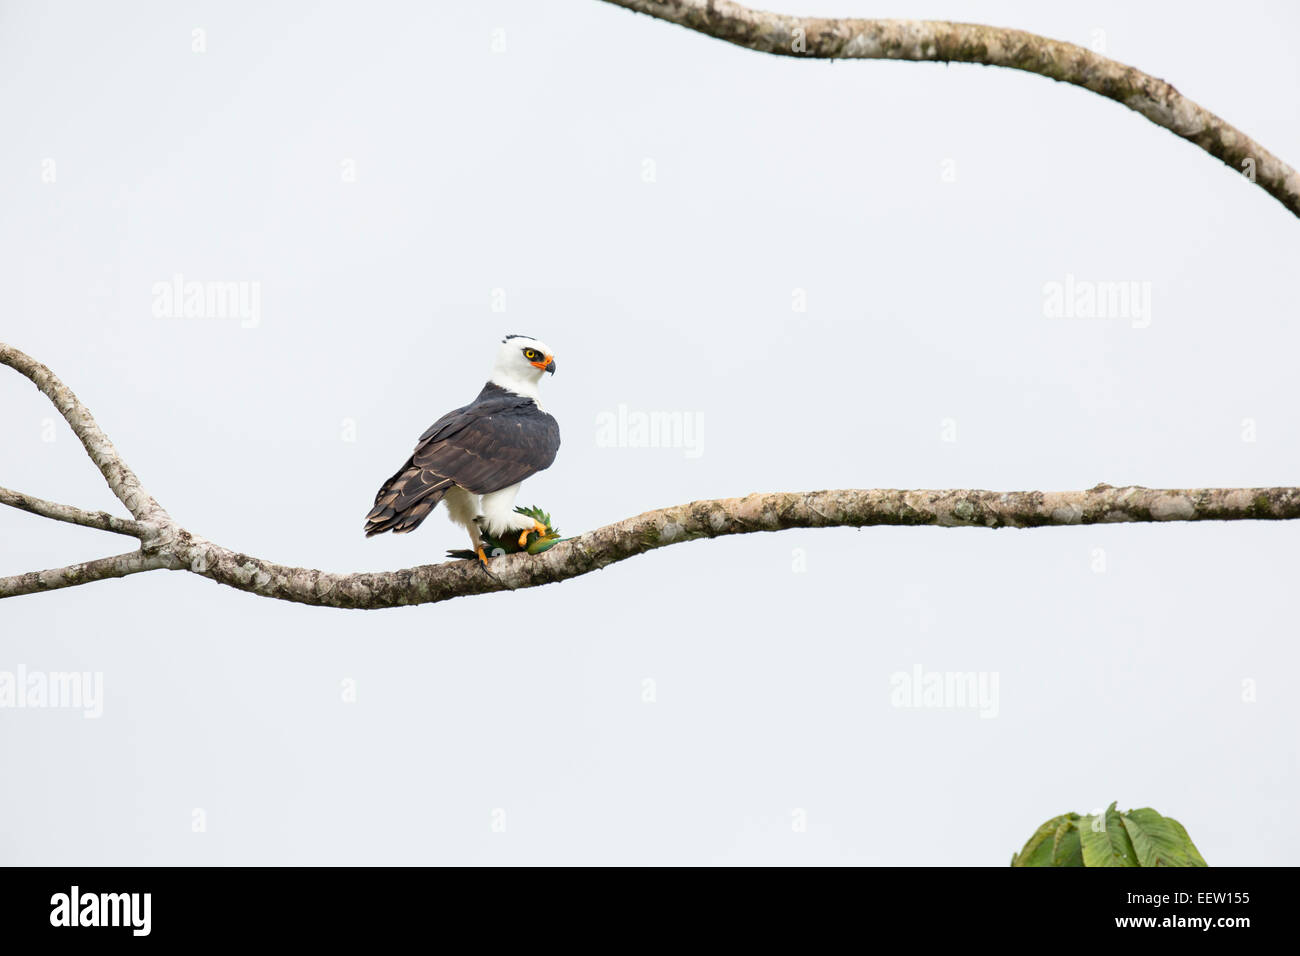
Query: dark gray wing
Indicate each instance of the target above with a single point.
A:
(496, 441)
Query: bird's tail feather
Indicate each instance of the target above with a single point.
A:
(406, 499)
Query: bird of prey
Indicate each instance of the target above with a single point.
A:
(475, 457)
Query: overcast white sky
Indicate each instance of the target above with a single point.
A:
(916, 210)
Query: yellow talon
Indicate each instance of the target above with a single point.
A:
(482, 558)
(538, 527)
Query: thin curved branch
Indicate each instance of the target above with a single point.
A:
(73, 515)
(118, 566)
(121, 479)
(941, 41)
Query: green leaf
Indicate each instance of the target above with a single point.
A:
(1038, 849)
(1105, 841)
(1055, 843)
(1160, 840)
(1193, 854)
(1154, 840)
(1067, 848)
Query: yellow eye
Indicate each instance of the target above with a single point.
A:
(530, 354)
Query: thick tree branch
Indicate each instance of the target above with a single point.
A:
(818, 38)
(428, 584)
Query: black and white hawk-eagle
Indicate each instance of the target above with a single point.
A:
(476, 457)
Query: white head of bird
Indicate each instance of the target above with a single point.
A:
(521, 362)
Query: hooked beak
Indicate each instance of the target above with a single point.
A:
(547, 364)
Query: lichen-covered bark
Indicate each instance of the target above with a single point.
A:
(90, 519)
(179, 549)
(942, 41)
(119, 565)
(429, 584)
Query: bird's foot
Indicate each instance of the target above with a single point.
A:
(537, 527)
(482, 557)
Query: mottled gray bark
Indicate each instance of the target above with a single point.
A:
(121, 479)
(819, 38)
(118, 566)
(166, 545)
(90, 519)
